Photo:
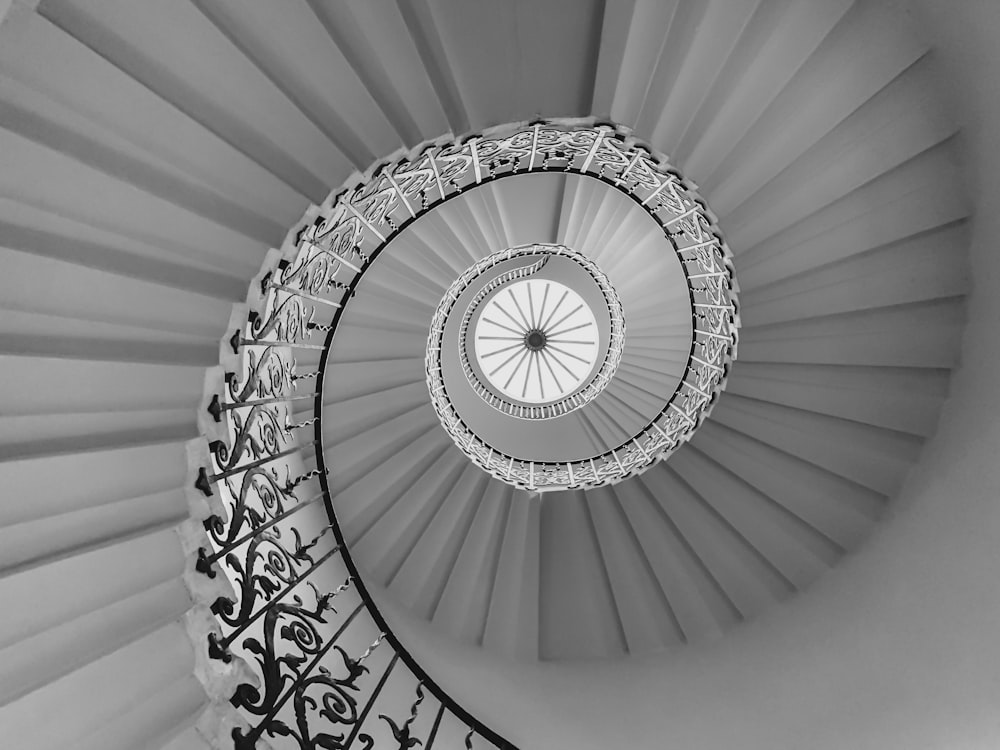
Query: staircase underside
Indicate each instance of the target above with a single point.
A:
(152, 152)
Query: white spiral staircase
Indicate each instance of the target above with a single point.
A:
(152, 152)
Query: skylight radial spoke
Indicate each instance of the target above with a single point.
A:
(501, 325)
(513, 320)
(506, 361)
(505, 349)
(545, 359)
(567, 315)
(517, 367)
(553, 334)
(555, 309)
(538, 369)
(551, 352)
(510, 293)
(541, 310)
(563, 351)
(527, 374)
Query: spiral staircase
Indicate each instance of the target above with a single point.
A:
(153, 153)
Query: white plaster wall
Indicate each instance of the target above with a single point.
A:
(897, 648)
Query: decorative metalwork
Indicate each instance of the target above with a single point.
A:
(541, 340)
(611, 155)
(317, 687)
(298, 612)
(579, 389)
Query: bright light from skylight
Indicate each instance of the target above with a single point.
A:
(536, 341)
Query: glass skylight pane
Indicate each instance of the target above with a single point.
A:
(536, 341)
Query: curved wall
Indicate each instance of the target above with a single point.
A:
(897, 648)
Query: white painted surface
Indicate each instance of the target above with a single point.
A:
(897, 648)
(150, 182)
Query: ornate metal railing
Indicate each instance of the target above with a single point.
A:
(318, 665)
(435, 339)
(612, 156)
(324, 669)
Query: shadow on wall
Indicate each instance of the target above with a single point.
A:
(897, 647)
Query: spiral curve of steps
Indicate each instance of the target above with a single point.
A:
(152, 152)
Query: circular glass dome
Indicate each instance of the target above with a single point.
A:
(541, 334)
(536, 341)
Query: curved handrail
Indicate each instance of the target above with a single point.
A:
(259, 478)
(435, 339)
(400, 191)
(277, 620)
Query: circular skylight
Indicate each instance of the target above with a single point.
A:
(533, 348)
(536, 341)
(612, 156)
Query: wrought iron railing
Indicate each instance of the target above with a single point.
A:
(327, 672)
(576, 400)
(612, 156)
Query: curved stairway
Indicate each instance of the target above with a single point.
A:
(771, 492)
(150, 154)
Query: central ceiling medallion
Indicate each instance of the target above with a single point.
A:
(536, 356)
(542, 331)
